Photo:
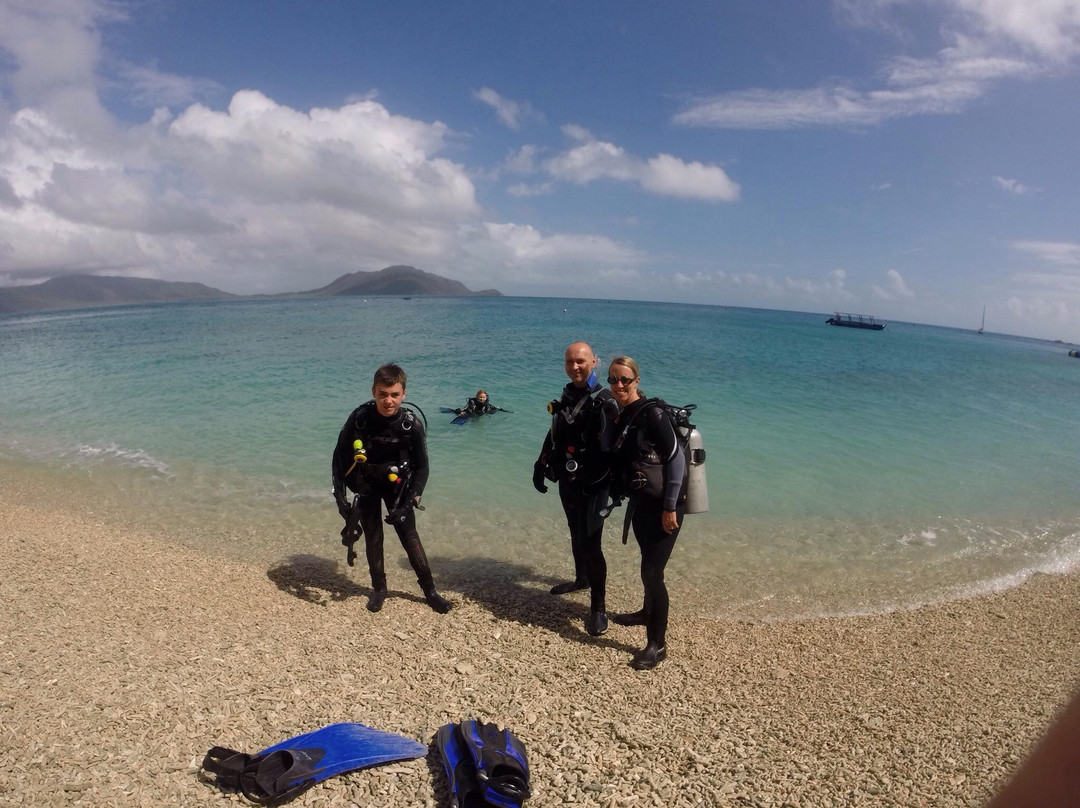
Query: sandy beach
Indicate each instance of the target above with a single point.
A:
(124, 658)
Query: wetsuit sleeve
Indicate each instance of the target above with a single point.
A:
(341, 460)
(544, 458)
(660, 430)
(418, 458)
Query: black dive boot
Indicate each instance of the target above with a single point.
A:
(375, 600)
(637, 618)
(650, 656)
(378, 594)
(437, 601)
(570, 586)
(596, 623)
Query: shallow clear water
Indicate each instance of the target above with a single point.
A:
(848, 470)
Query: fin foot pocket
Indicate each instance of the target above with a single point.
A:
(502, 766)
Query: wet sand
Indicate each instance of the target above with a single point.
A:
(124, 658)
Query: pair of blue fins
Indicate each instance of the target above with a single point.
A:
(485, 765)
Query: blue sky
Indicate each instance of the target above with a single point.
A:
(914, 159)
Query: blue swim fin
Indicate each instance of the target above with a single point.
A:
(460, 773)
(500, 762)
(282, 771)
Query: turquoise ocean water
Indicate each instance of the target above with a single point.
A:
(848, 471)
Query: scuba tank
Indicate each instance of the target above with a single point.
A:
(697, 492)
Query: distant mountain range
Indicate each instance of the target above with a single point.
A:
(85, 291)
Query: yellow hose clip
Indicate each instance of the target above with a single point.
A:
(358, 455)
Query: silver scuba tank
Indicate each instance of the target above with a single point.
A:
(697, 492)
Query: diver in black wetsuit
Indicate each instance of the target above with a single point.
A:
(649, 467)
(394, 470)
(478, 405)
(573, 455)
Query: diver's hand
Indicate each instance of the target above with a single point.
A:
(669, 520)
(538, 478)
(342, 506)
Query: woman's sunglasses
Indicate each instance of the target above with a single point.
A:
(623, 380)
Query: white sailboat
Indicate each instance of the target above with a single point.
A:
(982, 325)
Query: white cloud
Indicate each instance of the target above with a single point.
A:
(523, 161)
(831, 290)
(8, 198)
(1010, 185)
(803, 293)
(1050, 28)
(1062, 253)
(894, 289)
(525, 245)
(719, 279)
(671, 176)
(1049, 313)
(1060, 281)
(592, 161)
(257, 196)
(984, 43)
(534, 261)
(150, 87)
(1047, 28)
(357, 155)
(511, 113)
(56, 46)
(663, 174)
(945, 84)
(522, 189)
(578, 133)
(1045, 299)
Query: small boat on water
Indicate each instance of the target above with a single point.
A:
(855, 321)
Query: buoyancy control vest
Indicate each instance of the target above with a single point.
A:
(475, 405)
(573, 451)
(641, 468)
(386, 443)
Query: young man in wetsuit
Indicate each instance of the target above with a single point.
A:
(572, 455)
(394, 471)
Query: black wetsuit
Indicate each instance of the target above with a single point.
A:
(396, 441)
(477, 407)
(650, 469)
(579, 435)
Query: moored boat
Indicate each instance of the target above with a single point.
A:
(855, 321)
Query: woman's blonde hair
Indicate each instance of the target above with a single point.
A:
(626, 362)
